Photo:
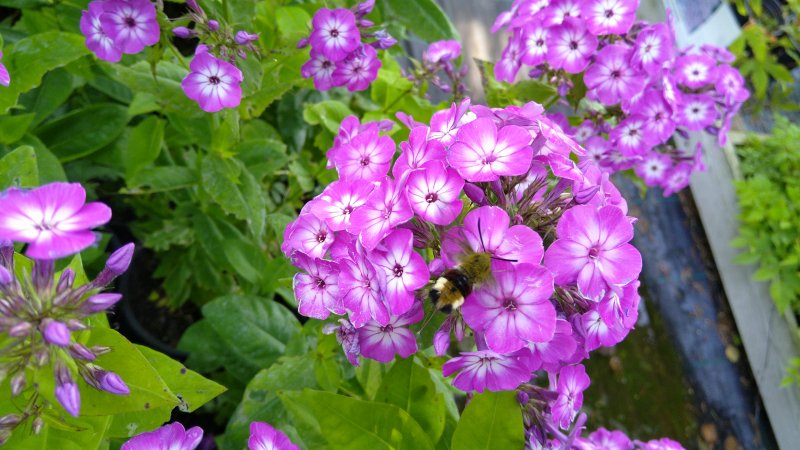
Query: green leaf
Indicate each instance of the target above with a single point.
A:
(191, 388)
(12, 128)
(18, 168)
(236, 190)
(256, 330)
(165, 85)
(491, 420)
(345, 422)
(533, 90)
(83, 131)
(144, 145)
(162, 178)
(49, 168)
(260, 401)
(30, 58)
(422, 17)
(409, 386)
(328, 113)
(293, 22)
(206, 350)
(82, 433)
(55, 90)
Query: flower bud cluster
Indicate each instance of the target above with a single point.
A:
(42, 312)
(642, 90)
(340, 53)
(485, 213)
(441, 56)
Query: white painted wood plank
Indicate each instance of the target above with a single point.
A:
(766, 336)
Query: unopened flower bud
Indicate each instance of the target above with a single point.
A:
(42, 276)
(364, 8)
(100, 350)
(10, 421)
(5, 435)
(213, 25)
(303, 43)
(475, 194)
(183, 32)
(7, 254)
(112, 383)
(80, 351)
(244, 38)
(195, 7)
(18, 383)
(100, 302)
(66, 280)
(436, 267)
(55, 332)
(116, 265)
(20, 329)
(38, 424)
(67, 391)
(5, 276)
(523, 398)
(41, 356)
(364, 23)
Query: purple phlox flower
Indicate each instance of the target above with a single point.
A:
(445, 124)
(669, 90)
(358, 70)
(97, 40)
(652, 48)
(659, 124)
(359, 286)
(244, 38)
(408, 120)
(169, 437)
(518, 243)
(677, 178)
(572, 381)
(383, 342)
(696, 111)
(264, 437)
(609, 16)
(659, 444)
(597, 149)
(311, 235)
(53, 219)
(695, 71)
(537, 174)
(570, 45)
(611, 78)
(386, 208)
(404, 270)
(621, 305)
(653, 168)
(630, 136)
(592, 248)
(584, 131)
(434, 193)
(321, 69)
(334, 33)
(559, 349)
(347, 337)
(349, 129)
(528, 10)
(559, 10)
(730, 84)
(442, 51)
(534, 38)
(344, 245)
(608, 193)
(485, 369)
(131, 24)
(507, 67)
(481, 152)
(366, 157)
(556, 140)
(418, 150)
(514, 309)
(214, 84)
(338, 201)
(599, 331)
(55, 332)
(502, 20)
(317, 289)
(610, 440)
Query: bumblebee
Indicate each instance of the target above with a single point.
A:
(450, 290)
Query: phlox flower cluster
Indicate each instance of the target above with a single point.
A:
(340, 54)
(174, 436)
(114, 27)
(40, 310)
(499, 182)
(641, 90)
